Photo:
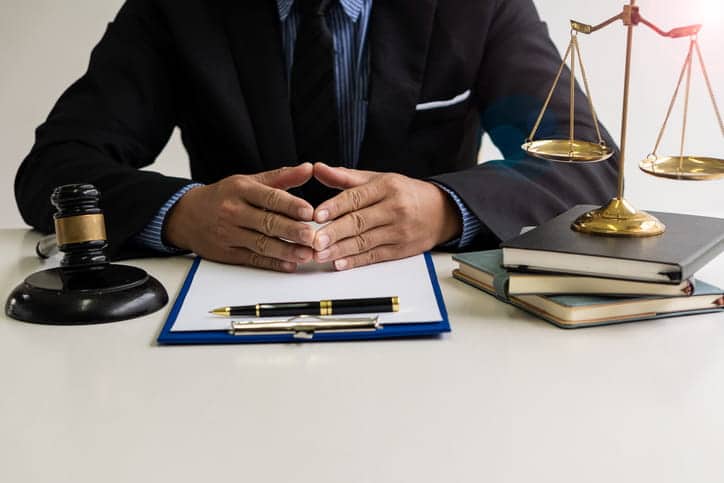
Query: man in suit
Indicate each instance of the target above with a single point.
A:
(364, 114)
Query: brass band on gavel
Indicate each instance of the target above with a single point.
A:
(80, 228)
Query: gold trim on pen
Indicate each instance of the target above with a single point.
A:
(395, 304)
(258, 310)
(222, 311)
(325, 307)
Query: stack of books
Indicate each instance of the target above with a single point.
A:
(576, 280)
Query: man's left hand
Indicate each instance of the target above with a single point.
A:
(379, 217)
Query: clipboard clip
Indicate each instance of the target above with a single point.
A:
(305, 326)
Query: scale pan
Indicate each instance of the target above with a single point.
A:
(567, 151)
(694, 168)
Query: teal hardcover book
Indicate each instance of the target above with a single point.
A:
(573, 311)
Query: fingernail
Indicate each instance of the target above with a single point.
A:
(301, 253)
(323, 242)
(306, 236)
(322, 216)
(306, 213)
(340, 264)
(323, 255)
(288, 266)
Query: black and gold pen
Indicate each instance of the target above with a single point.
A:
(321, 307)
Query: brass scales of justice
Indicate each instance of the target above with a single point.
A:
(618, 217)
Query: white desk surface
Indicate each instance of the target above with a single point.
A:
(503, 398)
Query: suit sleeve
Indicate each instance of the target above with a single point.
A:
(517, 69)
(111, 122)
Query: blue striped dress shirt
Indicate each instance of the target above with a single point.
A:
(348, 20)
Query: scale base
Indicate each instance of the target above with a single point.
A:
(87, 295)
(618, 218)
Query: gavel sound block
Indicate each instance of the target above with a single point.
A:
(86, 288)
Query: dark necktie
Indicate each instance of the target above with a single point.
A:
(313, 98)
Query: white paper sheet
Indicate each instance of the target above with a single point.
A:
(217, 285)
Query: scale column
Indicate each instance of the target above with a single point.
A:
(618, 217)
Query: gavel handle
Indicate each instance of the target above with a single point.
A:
(47, 246)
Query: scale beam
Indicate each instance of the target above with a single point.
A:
(632, 16)
(675, 33)
(589, 29)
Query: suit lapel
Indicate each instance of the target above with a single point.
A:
(398, 38)
(254, 32)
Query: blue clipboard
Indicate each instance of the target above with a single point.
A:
(167, 336)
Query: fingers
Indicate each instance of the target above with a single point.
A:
(376, 255)
(352, 225)
(287, 177)
(244, 256)
(270, 247)
(247, 247)
(275, 225)
(387, 217)
(341, 178)
(349, 200)
(277, 200)
(357, 244)
(242, 220)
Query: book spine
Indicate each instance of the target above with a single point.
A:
(697, 260)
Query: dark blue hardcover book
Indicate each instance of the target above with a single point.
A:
(689, 243)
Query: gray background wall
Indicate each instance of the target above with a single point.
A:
(45, 44)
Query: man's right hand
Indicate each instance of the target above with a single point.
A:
(246, 220)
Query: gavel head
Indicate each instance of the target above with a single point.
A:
(80, 228)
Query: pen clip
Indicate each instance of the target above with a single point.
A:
(305, 326)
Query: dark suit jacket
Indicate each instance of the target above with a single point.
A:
(215, 69)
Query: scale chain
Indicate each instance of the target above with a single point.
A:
(572, 102)
(708, 86)
(686, 102)
(588, 95)
(550, 94)
(673, 100)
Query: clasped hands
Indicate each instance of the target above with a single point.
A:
(253, 220)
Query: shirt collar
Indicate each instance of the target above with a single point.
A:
(350, 7)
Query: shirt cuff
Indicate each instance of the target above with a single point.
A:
(152, 234)
(471, 223)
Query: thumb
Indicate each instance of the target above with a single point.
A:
(287, 177)
(341, 178)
